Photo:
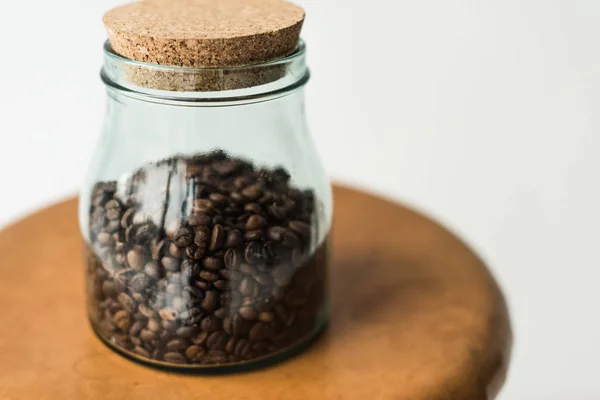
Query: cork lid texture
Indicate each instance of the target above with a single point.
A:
(205, 33)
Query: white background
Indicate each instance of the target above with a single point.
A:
(484, 114)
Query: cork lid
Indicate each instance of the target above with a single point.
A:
(204, 33)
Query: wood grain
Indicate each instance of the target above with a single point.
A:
(416, 316)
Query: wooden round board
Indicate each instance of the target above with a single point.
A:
(416, 316)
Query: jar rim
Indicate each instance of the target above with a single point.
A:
(150, 81)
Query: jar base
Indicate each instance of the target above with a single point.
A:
(238, 367)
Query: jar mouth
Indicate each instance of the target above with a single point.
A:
(154, 82)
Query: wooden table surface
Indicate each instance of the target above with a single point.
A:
(416, 316)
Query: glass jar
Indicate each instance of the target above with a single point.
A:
(206, 215)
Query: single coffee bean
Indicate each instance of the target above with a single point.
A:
(246, 287)
(252, 192)
(186, 332)
(253, 236)
(301, 228)
(202, 236)
(170, 263)
(199, 219)
(217, 340)
(255, 222)
(221, 285)
(140, 351)
(200, 338)
(257, 332)
(144, 233)
(230, 275)
(175, 251)
(174, 288)
(216, 357)
(147, 335)
(122, 320)
(195, 252)
(217, 237)
(211, 300)
(253, 208)
(127, 218)
(175, 358)
(136, 328)
(190, 268)
(221, 313)
(169, 326)
(247, 269)
(153, 269)
(290, 239)
(230, 346)
(177, 344)
(113, 210)
(248, 313)
(191, 316)
(129, 233)
(127, 302)
(218, 199)
(139, 283)
(208, 276)
(233, 258)
(202, 284)
(119, 246)
(192, 294)
(108, 288)
(253, 253)
(105, 239)
(212, 263)
(168, 314)
(183, 237)
(277, 212)
(231, 299)
(135, 340)
(203, 206)
(242, 348)
(136, 259)
(195, 353)
(234, 239)
(276, 233)
(146, 311)
(210, 324)
(153, 325)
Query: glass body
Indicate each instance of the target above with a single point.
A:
(205, 215)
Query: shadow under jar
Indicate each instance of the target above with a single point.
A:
(206, 215)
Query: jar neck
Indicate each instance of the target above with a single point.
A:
(201, 87)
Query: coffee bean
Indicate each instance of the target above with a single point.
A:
(246, 287)
(199, 219)
(168, 314)
(186, 332)
(113, 210)
(266, 317)
(173, 288)
(253, 235)
(146, 311)
(257, 332)
(199, 338)
(242, 348)
(231, 299)
(202, 284)
(140, 351)
(276, 233)
(248, 313)
(139, 283)
(203, 206)
(290, 239)
(210, 324)
(175, 251)
(253, 208)
(191, 316)
(136, 328)
(195, 353)
(233, 258)
(230, 346)
(247, 269)
(157, 248)
(153, 269)
(217, 199)
(217, 237)
(175, 358)
(211, 300)
(253, 253)
(183, 237)
(209, 276)
(153, 325)
(301, 228)
(221, 285)
(217, 340)
(230, 275)
(144, 233)
(122, 320)
(195, 253)
(136, 259)
(221, 313)
(127, 218)
(192, 294)
(177, 344)
(108, 288)
(212, 263)
(127, 302)
(263, 279)
(202, 236)
(255, 222)
(234, 239)
(105, 239)
(252, 192)
(147, 335)
(190, 268)
(216, 357)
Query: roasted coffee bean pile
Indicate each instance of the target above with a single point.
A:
(204, 261)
